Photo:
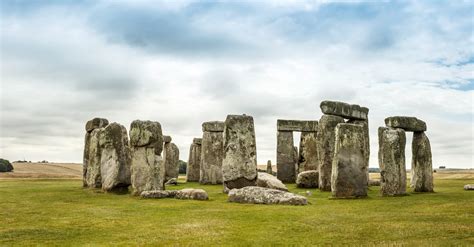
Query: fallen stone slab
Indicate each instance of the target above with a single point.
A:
(344, 110)
(407, 123)
(297, 125)
(266, 180)
(308, 179)
(259, 195)
(469, 187)
(190, 193)
(172, 181)
(373, 182)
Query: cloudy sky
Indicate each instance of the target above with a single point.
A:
(184, 62)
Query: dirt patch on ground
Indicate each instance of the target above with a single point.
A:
(44, 170)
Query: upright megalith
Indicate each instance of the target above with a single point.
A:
(239, 166)
(269, 167)
(285, 157)
(171, 159)
(212, 153)
(308, 154)
(115, 158)
(148, 168)
(92, 153)
(349, 169)
(421, 166)
(194, 161)
(287, 160)
(325, 148)
(344, 110)
(392, 161)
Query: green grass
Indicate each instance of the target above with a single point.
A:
(60, 212)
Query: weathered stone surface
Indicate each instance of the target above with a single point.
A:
(285, 157)
(167, 139)
(325, 143)
(146, 134)
(92, 158)
(421, 165)
(172, 181)
(259, 195)
(392, 161)
(96, 123)
(212, 154)
(469, 187)
(349, 169)
(171, 159)
(269, 181)
(297, 125)
(194, 194)
(373, 182)
(213, 126)
(269, 167)
(115, 158)
(190, 193)
(239, 166)
(193, 168)
(148, 170)
(344, 110)
(308, 152)
(365, 124)
(308, 179)
(406, 123)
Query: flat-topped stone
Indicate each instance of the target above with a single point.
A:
(344, 110)
(197, 141)
(213, 126)
(469, 187)
(96, 123)
(166, 139)
(259, 195)
(407, 123)
(297, 125)
(269, 181)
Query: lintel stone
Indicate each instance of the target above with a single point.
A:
(344, 110)
(407, 123)
(297, 125)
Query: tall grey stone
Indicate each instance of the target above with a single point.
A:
(349, 169)
(239, 166)
(148, 167)
(406, 123)
(392, 161)
(308, 153)
(269, 167)
(365, 124)
(325, 148)
(91, 156)
(344, 110)
(285, 157)
(171, 159)
(212, 153)
(115, 158)
(421, 166)
(295, 157)
(194, 162)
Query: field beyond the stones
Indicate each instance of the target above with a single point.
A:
(61, 212)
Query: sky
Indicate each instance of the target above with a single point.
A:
(186, 62)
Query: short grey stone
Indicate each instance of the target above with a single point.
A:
(406, 123)
(392, 161)
(269, 167)
(269, 181)
(349, 169)
(344, 110)
(172, 181)
(373, 182)
(192, 194)
(259, 195)
(193, 167)
(308, 179)
(171, 159)
(469, 187)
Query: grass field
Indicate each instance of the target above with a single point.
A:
(60, 212)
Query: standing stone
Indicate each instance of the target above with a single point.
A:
(295, 161)
(171, 159)
(421, 165)
(285, 157)
(308, 156)
(269, 167)
(349, 169)
(325, 147)
(91, 156)
(365, 124)
(392, 161)
(212, 153)
(148, 168)
(194, 162)
(115, 158)
(239, 167)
